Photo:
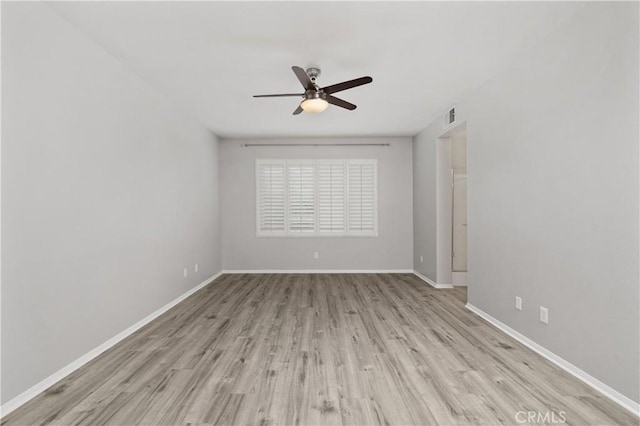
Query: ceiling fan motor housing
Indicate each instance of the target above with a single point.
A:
(315, 94)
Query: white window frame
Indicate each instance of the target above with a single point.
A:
(316, 233)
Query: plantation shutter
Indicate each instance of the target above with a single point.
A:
(316, 198)
(362, 197)
(332, 197)
(270, 183)
(302, 198)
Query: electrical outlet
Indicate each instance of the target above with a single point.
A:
(185, 272)
(544, 315)
(421, 259)
(316, 255)
(519, 303)
(195, 268)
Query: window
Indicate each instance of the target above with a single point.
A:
(316, 198)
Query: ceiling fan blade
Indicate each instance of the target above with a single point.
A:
(346, 85)
(341, 103)
(279, 95)
(298, 110)
(304, 78)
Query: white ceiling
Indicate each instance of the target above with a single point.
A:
(211, 57)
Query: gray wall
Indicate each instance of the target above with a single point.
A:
(390, 250)
(424, 203)
(553, 193)
(108, 192)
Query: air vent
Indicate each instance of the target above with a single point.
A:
(450, 117)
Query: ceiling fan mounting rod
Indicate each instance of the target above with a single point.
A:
(313, 73)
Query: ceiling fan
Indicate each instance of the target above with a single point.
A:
(317, 99)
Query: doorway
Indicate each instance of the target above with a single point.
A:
(459, 208)
(451, 206)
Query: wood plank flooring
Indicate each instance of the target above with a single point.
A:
(321, 349)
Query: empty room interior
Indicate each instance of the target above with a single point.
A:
(320, 213)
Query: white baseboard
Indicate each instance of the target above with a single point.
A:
(607, 391)
(431, 283)
(459, 279)
(317, 271)
(40, 387)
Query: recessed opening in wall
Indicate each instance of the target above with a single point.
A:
(459, 207)
(451, 244)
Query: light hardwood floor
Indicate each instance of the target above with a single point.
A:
(318, 349)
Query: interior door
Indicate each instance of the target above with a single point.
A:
(459, 255)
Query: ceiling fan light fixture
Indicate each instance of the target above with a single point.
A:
(314, 105)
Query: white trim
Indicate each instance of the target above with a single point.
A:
(40, 387)
(454, 130)
(459, 279)
(317, 271)
(596, 384)
(430, 282)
